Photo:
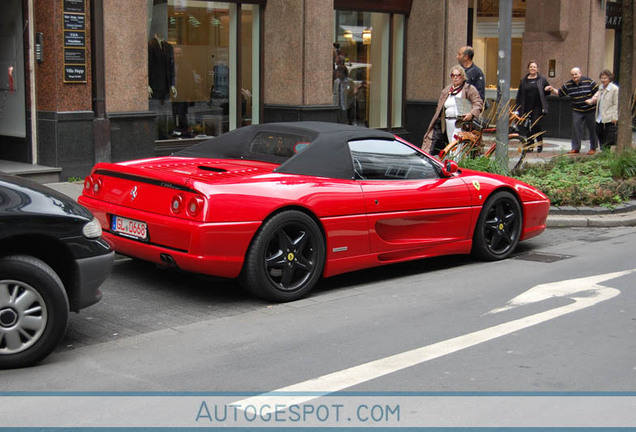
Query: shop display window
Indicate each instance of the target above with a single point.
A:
(486, 43)
(371, 93)
(193, 84)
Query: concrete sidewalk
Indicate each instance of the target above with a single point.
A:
(560, 217)
(553, 147)
(70, 189)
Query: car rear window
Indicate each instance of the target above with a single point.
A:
(280, 145)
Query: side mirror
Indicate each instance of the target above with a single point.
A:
(449, 168)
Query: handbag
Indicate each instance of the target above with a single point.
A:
(439, 139)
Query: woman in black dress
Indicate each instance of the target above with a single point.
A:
(532, 98)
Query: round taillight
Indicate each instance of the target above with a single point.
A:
(97, 185)
(195, 204)
(88, 183)
(177, 204)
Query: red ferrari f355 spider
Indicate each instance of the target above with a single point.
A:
(281, 205)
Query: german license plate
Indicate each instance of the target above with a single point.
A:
(129, 227)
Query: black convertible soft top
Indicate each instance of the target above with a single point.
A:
(307, 148)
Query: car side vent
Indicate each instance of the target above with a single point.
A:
(209, 168)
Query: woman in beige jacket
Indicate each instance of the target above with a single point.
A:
(458, 100)
(606, 101)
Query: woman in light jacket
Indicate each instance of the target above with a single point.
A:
(458, 100)
(606, 100)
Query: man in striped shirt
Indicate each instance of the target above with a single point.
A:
(580, 88)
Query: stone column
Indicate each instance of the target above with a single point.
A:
(436, 29)
(571, 32)
(65, 116)
(297, 60)
(132, 126)
(53, 94)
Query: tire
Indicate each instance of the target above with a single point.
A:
(286, 258)
(34, 311)
(498, 228)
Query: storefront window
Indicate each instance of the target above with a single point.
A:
(398, 70)
(365, 43)
(250, 26)
(486, 43)
(12, 83)
(192, 66)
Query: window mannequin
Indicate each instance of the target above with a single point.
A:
(161, 78)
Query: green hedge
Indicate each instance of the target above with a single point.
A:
(605, 179)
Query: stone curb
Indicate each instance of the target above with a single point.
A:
(594, 220)
(619, 208)
(621, 215)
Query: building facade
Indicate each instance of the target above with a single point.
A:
(85, 81)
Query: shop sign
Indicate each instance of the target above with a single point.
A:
(383, 6)
(74, 56)
(74, 23)
(74, 39)
(75, 73)
(613, 15)
(74, 6)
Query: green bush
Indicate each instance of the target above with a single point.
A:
(623, 165)
(482, 164)
(603, 180)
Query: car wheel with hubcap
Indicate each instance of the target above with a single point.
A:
(34, 310)
(286, 257)
(498, 228)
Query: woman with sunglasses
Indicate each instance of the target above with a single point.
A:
(459, 100)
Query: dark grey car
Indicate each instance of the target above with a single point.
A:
(52, 261)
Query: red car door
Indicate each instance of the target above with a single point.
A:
(409, 204)
(414, 213)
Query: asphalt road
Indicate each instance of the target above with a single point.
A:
(141, 298)
(560, 316)
(169, 331)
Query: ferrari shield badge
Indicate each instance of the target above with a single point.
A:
(476, 184)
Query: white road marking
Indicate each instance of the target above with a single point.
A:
(559, 289)
(592, 294)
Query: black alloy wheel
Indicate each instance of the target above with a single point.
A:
(499, 227)
(286, 257)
